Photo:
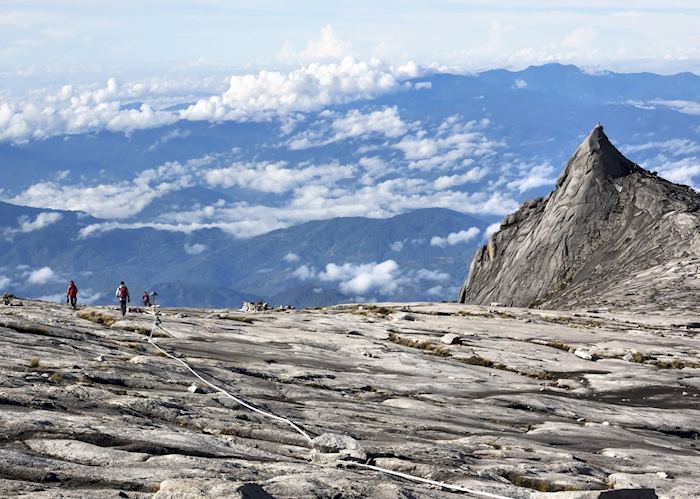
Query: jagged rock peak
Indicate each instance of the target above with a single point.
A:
(596, 157)
(605, 234)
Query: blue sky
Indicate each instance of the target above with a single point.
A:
(79, 41)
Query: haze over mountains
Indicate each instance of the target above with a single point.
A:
(189, 207)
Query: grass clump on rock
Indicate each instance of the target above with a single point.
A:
(34, 362)
(676, 364)
(98, 317)
(425, 345)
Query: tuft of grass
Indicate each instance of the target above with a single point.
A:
(98, 317)
(539, 484)
(34, 362)
(425, 345)
(676, 364)
(640, 358)
(558, 345)
(56, 378)
(478, 360)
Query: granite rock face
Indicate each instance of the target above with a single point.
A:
(610, 234)
(510, 410)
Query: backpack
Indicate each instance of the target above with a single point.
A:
(122, 292)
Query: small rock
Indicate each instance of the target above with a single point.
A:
(195, 388)
(334, 442)
(605, 423)
(451, 339)
(661, 474)
(583, 354)
(684, 393)
(100, 358)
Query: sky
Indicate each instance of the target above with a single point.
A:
(83, 41)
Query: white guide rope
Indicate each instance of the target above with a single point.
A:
(221, 390)
(456, 488)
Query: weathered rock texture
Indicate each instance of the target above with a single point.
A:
(88, 410)
(611, 234)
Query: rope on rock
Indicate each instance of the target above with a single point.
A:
(350, 464)
(156, 324)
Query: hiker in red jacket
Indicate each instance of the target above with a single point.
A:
(72, 295)
(123, 297)
(146, 299)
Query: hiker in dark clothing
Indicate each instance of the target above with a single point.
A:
(72, 294)
(146, 299)
(123, 297)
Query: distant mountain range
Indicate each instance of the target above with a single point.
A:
(220, 271)
(383, 198)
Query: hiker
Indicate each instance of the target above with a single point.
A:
(72, 295)
(123, 297)
(146, 299)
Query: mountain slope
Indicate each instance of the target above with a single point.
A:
(607, 222)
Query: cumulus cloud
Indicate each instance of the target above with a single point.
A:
(493, 228)
(195, 249)
(454, 143)
(396, 246)
(276, 177)
(111, 201)
(676, 147)
(313, 87)
(328, 46)
(291, 257)
(72, 110)
(354, 123)
(535, 176)
(42, 220)
(359, 279)
(4, 281)
(41, 276)
(473, 175)
(519, 84)
(684, 171)
(453, 238)
(304, 273)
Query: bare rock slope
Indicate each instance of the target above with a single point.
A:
(610, 234)
(513, 402)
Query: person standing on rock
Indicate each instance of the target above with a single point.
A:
(72, 295)
(123, 297)
(146, 299)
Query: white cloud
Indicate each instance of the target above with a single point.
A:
(195, 249)
(304, 273)
(493, 228)
(536, 176)
(72, 111)
(354, 123)
(453, 143)
(681, 172)
(359, 279)
(291, 257)
(453, 238)
(272, 93)
(328, 46)
(168, 136)
(41, 276)
(436, 290)
(473, 175)
(42, 220)
(423, 85)
(276, 177)
(4, 281)
(431, 275)
(396, 246)
(110, 201)
(519, 84)
(676, 147)
(682, 106)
